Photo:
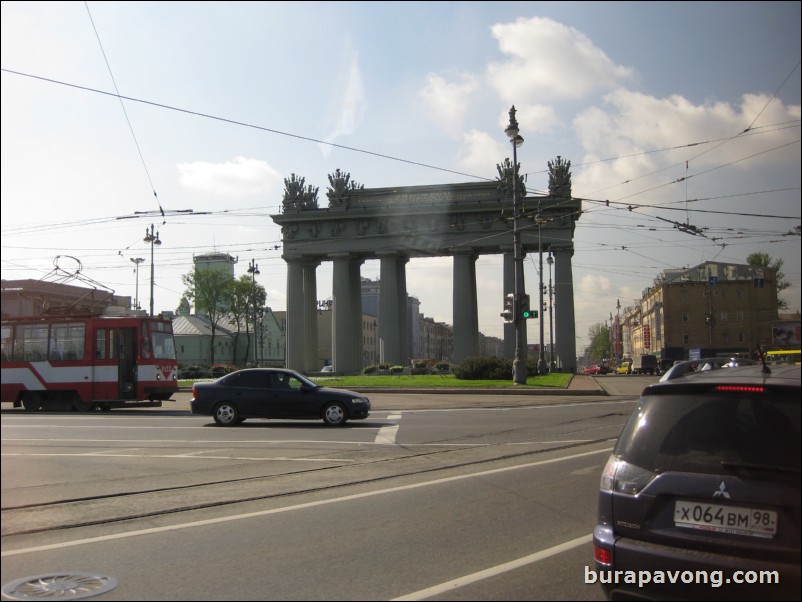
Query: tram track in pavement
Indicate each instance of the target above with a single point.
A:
(107, 509)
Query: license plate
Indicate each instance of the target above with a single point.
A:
(725, 519)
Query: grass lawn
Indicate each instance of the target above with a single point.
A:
(558, 380)
(436, 380)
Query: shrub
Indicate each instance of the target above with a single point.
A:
(370, 370)
(484, 368)
(397, 369)
(219, 370)
(443, 366)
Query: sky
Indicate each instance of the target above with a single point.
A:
(188, 116)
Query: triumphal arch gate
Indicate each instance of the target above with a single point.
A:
(394, 225)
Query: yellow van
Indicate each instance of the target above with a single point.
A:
(624, 368)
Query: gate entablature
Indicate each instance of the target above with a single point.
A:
(421, 221)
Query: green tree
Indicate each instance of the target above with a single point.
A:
(211, 290)
(764, 260)
(246, 301)
(600, 342)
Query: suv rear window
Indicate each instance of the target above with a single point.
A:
(710, 432)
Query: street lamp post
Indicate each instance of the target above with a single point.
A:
(137, 261)
(519, 363)
(153, 239)
(253, 270)
(541, 364)
(550, 261)
(619, 348)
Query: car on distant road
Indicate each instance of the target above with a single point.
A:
(275, 393)
(328, 368)
(700, 498)
(703, 365)
(595, 369)
(624, 368)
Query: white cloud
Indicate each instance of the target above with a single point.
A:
(448, 102)
(632, 125)
(350, 109)
(549, 60)
(480, 150)
(587, 294)
(239, 177)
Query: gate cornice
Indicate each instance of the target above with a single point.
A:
(423, 221)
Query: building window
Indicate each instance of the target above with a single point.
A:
(725, 338)
(685, 316)
(741, 338)
(722, 315)
(686, 339)
(738, 293)
(685, 294)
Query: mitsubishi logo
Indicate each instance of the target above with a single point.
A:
(722, 492)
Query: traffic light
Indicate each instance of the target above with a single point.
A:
(509, 308)
(526, 312)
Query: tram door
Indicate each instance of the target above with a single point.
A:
(116, 347)
(127, 363)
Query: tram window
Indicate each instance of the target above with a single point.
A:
(113, 345)
(6, 342)
(34, 343)
(67, 341)
(163, 345)
(100, 344)
(145, 342)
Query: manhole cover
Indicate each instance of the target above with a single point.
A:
(73, 586)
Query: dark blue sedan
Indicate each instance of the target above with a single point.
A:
(275, 393)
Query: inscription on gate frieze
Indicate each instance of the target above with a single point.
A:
(445, 197)
(423, 221)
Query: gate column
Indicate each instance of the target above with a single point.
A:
(301, 314)
(347, 322)
(393, 310)
(465, 307)
(565, 341)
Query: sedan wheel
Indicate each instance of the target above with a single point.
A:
(226, 414)
(335, 414)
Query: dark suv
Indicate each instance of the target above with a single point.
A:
(700, 498)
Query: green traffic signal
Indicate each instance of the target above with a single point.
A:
(526, 312)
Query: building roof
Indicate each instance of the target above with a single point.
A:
(197, 325)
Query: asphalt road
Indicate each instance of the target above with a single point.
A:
(433, 497)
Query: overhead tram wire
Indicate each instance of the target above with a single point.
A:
(247, 125)
(122, 105)
(120, 97)
(308, 138)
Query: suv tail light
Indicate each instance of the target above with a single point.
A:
(602, 556)
(622, 477)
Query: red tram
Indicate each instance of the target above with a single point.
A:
(88, 361)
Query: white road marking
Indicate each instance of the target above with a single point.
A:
(497, 570)
(386, 435)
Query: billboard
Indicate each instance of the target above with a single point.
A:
(786, 334)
